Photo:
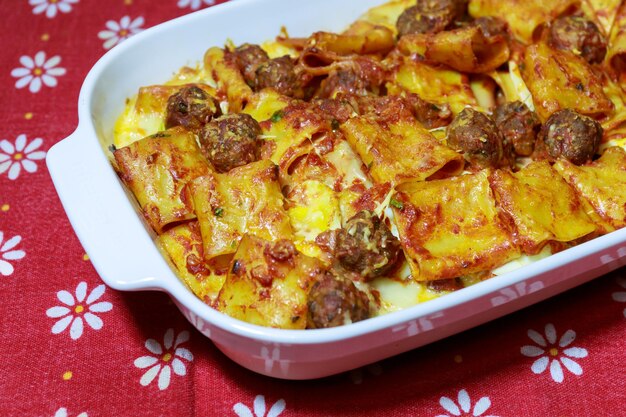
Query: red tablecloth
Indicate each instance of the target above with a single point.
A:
(70, 346)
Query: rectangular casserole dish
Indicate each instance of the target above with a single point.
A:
(124, 254)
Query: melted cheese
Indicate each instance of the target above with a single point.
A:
(603, 12)
(445, 236)
(348, 165)
(261, 291)
(465, 49)
(314, 208)
(438, 85)
(522, 261)
(513, 86)
(541, 206)
(292, 133)
(157, 169)
(397, 295)
(386, 14)
(246, 199)
(144, 114)
(396, 152)
(264, 104)
(230, 81)
(522, 16)
(561, 80)
(182, 245)
(602, 184)
(616, 52)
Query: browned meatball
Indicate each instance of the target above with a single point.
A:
(282, 251)
(248, 58)
(278, 73)
(338, 109)
(570, 135)
(365, 245)
(334, 301)
(578, 35)
(192, 108)
(519, 126)
(385, 108)
(429, 114)
(430, 16)
(230, 141)
(492, 26)
(476, 136)
(341, 82)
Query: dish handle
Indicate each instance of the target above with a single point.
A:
(103, 217)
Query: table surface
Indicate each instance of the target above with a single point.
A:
(72, 347)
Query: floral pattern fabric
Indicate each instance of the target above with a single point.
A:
(20, 155)
(167, 358)
(79, 309)
(73, 347)
(38, 71)
(9, 253)
(117, 32)
(51, 7)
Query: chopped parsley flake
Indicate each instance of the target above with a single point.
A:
(397, 204)
(219, 212)
(278, 114)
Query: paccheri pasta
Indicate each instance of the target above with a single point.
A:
(314, 182)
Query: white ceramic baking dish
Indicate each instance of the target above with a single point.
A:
(123, 252)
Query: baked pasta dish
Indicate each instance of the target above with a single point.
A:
(314, 182)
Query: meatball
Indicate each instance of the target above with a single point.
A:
(365, 245)
(278, 73)
(429, 114)
(333, 301)
(385, 108)
(248, 58)
(230, 141)
(492, 26)
(341, 82)
(476, 136)
(337, 109)
(192, 108)
(282, 251)
(519, 126)
(578, 35)
(570, 135)
(429, 16)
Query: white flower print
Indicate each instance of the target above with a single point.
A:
(18, 155)
(464, 407)
(116, 32)
(168, 357)
(51, 6)
(76, 310)
(620, 296)
(554, 354)
(259, 408)
(194, 4)
(9, 253)
(62, 412)
(37, 71)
